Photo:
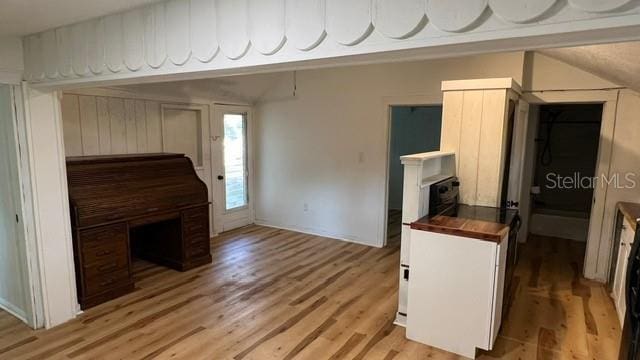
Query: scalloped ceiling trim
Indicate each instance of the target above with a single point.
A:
(179, 32)
(399, 19)
(306, 24)
(521, 11)
(598, 6)
(267, 25)
(232, 28)
(455, 15)
(203, 21)
(349, 22)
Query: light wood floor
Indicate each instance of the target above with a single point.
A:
(275, 294)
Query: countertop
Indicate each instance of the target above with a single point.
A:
(631, 212)
(477, 222)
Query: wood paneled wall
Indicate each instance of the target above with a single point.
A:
(100, 125)
(95, 124)
(474, 127)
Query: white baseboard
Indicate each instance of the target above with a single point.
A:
(13, 310)
(313, 232)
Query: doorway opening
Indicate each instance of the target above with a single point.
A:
(412, 130)
(566, 145)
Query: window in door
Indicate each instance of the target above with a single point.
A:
(235, 161)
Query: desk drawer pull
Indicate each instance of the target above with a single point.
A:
(103, 253)
(107, 282)
(108, 267)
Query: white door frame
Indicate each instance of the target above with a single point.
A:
(218, 167)
(387, 103)
(598, 249)
(36, 317)
(50, 256)
(32, 313)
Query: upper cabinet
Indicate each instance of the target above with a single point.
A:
(477, 125)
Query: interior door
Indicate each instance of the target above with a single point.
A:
(232, 170)
(15, 295)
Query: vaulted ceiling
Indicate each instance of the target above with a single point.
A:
(616, 62)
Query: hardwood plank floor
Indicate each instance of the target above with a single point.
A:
(276, 294)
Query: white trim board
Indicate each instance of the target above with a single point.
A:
(43, 125)
(10, 77)
(8, 307)
(313, 232)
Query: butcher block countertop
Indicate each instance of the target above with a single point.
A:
(631, 212)
(476, 222)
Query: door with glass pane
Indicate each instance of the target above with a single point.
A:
(231, 134)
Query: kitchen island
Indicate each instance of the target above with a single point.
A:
(457, 280)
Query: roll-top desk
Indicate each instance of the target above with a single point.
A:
(151, 205)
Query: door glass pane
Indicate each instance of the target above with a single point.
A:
(235, 161)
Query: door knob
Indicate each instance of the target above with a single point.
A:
(220, 177)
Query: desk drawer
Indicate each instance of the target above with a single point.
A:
(107, 265)
(198, 250)
(196, 238)
(196, 220)
(104, 234)
(104, 253)
(106, 282)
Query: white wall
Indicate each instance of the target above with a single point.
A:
(13, 261)
(11, 62)
(327, 146)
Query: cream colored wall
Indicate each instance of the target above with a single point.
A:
(326, 147)
(100, 125)
(544, 73)
(625, 160)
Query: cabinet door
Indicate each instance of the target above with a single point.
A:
(498, 294)
(617, 282)
(622, 303)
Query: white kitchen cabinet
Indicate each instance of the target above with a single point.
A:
(420, 170)
(626, 240)
(456, 288)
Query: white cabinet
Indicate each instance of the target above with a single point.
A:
(626, 240)
(455, 291)
(420, 170)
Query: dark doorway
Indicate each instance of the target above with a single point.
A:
(413, 129)
(565, 168)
